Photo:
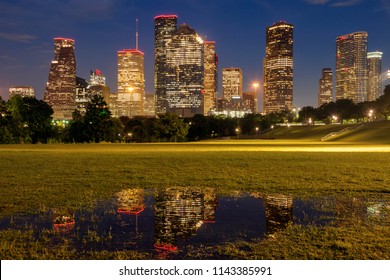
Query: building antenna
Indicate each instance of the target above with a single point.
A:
(136, 33)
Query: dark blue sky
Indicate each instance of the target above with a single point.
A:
(102, 27)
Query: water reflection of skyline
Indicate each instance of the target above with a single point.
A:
(180, 219)
(179, 213)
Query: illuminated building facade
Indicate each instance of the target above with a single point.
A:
(60, 91)
(24, 91)
(325, 87)
(131, 83)
(185, 72)
(83, 94)
(210, 77)
(278, 68)
(164, 26)
(97, 78)
(231, 83)
(249, 101)
(374, 62)
(149, 105)
(351, 66)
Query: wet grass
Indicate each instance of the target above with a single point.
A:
(42, 177)
(37, 178)
(316, 243)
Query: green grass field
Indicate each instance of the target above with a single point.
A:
(35, 178)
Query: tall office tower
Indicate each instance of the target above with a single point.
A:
(249, 101)
(210, 77)
(374, 62)
(351, 66)
(185, 73)
(164, 26)
(83, 94)
(60, 91)
(131, 82)
(325, 87)
(24, 91)
(97, 78)
(278, 68)
(149, 105)
(231, 83)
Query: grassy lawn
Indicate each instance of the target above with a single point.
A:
(35, 178)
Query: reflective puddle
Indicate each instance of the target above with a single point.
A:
(173, 221)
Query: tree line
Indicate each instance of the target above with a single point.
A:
(28, 120)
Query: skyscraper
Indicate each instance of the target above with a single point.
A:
(278, 68)
(210, 77)
(351, 66)
(325, 87)
(97, 78)
(184, 72)
(164, 26)
(374, 62)
(231, 83)
(83, 94)
(131, 82)
(98, 86)
(60, 91)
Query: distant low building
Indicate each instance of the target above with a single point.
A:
(23, 91)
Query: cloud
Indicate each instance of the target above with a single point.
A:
(317, 2)
(347, 3)
(21, 38)
(336, 4)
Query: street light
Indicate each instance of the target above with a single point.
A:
(238, 133)
(257, 130)
(370, 113)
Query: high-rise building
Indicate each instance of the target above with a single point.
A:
(60, 91)
(131, 82)
(97, 78)
(83, 94)
(149, 105)
(210, 77)
(164, 26)
(24, 91)
(374, 62)
(231, 83)
(325, 87)
(249, 101)
(278, 68)
(351, 66)
(185, 72)
(98, 86)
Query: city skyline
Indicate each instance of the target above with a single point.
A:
(237, 28)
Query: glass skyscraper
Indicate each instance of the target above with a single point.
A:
(60, 91)
(210, 77)
(374, 63)
(278, 68)
(164, 26)
(325, 87)
(131, 83)
(351, 66)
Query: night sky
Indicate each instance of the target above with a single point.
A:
(102, 27)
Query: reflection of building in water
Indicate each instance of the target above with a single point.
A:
(179, 213)
(278, 211)
(349, 210)
(210, 205)
(63, 220)
(131, 201)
